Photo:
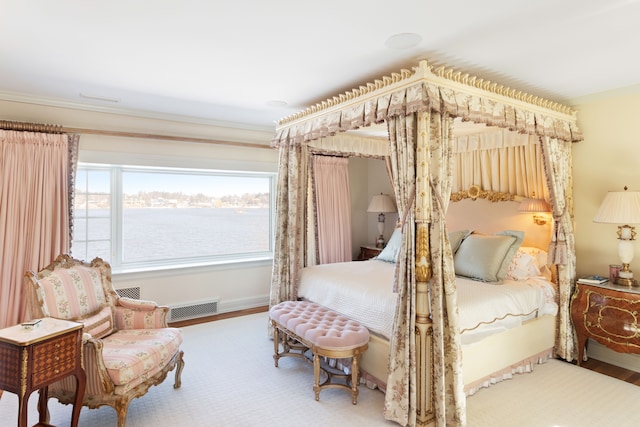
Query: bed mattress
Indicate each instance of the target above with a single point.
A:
(363, 291)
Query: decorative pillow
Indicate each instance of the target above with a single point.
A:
(390, 252)
(523, 266)
(539, 254)
(456, 238)
(487, 258)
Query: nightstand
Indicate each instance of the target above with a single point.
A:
(33, 358)
(608, 314)
(368, 252)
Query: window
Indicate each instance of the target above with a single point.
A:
(142, 217)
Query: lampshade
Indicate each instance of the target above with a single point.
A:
(619, 207)
(534, 205)
(381, 203)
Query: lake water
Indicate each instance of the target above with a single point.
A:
(155, 234)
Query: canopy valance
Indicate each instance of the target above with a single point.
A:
(441, 91)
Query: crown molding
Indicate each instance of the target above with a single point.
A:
(55, 102)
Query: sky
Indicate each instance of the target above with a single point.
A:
(145, 181)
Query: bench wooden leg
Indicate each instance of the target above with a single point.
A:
(354, 378)
(276, 343)
(316, 375)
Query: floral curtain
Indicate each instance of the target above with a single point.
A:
(557, 162)
(401, 396)
(37, 172)
(333, 208)
(288, 252)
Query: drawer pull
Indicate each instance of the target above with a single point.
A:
(57, 371)
(57, 358)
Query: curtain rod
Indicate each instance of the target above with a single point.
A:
(47, 128)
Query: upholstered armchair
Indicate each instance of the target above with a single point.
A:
(127, 345)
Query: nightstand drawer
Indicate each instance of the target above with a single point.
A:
(55, 352)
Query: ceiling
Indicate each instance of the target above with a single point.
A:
(235, 62)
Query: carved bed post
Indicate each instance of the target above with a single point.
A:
(424, 329)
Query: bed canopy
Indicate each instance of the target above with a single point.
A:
(419, 106)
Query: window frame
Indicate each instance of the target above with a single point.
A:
(116, 212)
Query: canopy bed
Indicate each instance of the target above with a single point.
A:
(422, 108)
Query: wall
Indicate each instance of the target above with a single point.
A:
(607, 160)
(239, 286)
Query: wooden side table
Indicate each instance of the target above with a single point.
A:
(608, 314)
(368, 252)
(31, 359)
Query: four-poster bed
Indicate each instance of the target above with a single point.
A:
(425, 383)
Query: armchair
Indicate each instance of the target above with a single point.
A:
(127, 345)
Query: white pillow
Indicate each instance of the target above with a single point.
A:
(523, 266)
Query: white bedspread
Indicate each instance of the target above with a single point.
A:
(362, 290)
(486, 308)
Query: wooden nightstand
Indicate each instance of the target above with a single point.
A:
(31, 359)
(608, 314)
(368, 252)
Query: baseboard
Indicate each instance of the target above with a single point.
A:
(230, 308)
(605, 354)
(239, 304)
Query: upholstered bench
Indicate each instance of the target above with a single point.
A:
(324, 332)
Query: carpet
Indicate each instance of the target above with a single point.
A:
(229, 379)
(556, 394)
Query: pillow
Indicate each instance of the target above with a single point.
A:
(539, 254)
(487, 258)
(523, 266)
(390, 252)
(456, 238)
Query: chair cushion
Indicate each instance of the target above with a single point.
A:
(77, 294)
(133, 356)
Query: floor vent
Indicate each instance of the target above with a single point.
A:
(129, 292)
(193, 310)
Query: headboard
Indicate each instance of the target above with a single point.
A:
(488, 217)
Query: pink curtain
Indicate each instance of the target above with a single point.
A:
(36, 175)
(333, 209)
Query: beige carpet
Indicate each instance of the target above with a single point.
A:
(230, 380)
(556, 394)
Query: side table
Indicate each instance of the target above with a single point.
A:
(368, 252)
(608, 314)
(32, 358)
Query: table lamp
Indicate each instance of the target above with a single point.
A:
(622, 207)
(381, 203)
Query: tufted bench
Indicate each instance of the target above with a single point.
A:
(310, 326)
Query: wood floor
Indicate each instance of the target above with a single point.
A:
(614, 371)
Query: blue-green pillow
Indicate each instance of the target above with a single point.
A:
(487, 258)
(391, 251)
(456, 238)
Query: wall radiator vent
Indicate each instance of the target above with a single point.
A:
(193, 310)
(129, 292)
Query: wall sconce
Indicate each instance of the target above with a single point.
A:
(537, 206)
(622, 207)
(381, 203)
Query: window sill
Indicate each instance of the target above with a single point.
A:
(163, 270)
